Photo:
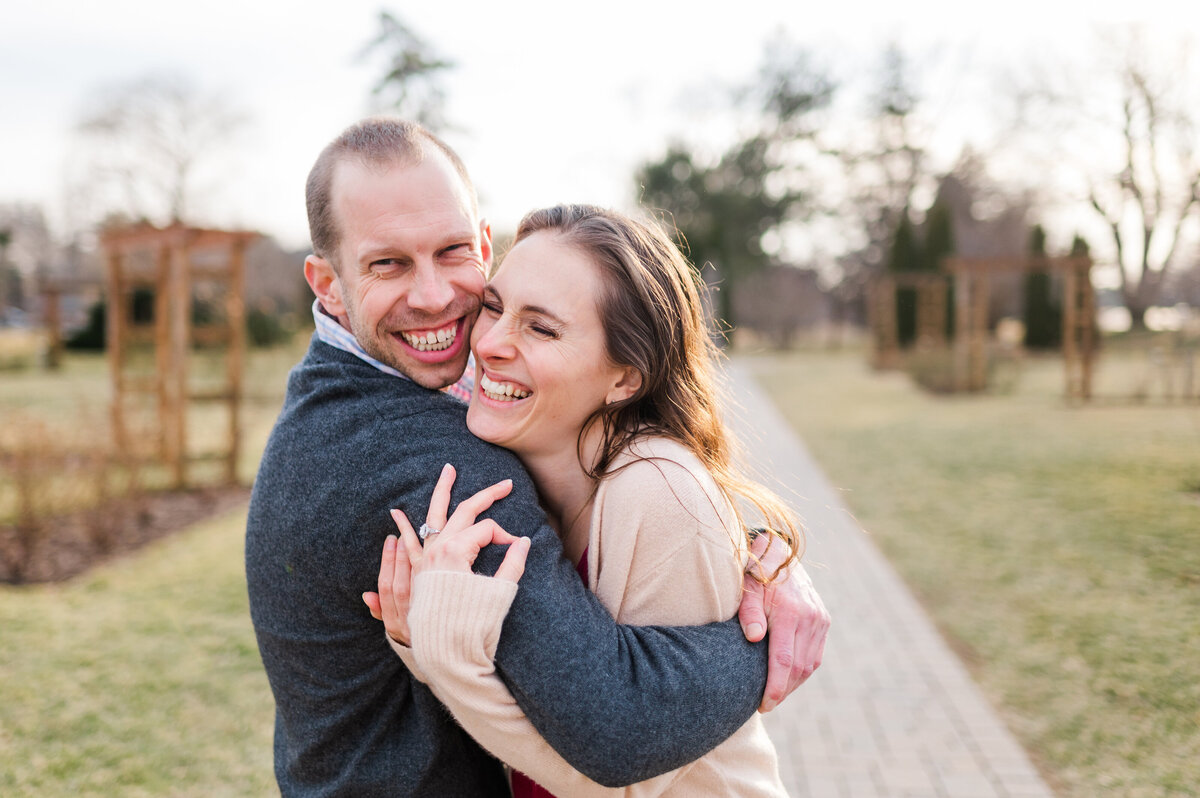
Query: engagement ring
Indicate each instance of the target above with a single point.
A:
(426, 530)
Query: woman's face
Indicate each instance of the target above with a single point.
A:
(541, 367)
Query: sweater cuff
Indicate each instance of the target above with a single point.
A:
(408, 657)
(456, 617)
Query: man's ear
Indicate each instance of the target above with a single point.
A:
(485, 246)
(323, 280)
(629, 384)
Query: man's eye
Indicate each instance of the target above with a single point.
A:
(385, 268)
(459, 251)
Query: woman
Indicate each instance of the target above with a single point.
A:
(594, 366)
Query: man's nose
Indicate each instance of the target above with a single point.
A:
(431, 290)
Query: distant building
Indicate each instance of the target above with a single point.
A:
(780, 303)
(988, 224)
(275, 278)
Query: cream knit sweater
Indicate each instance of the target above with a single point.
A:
(660, 551)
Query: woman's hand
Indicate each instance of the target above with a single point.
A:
(453, 548)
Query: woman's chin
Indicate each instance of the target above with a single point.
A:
(483, 427)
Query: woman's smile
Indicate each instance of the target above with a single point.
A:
(501, 390)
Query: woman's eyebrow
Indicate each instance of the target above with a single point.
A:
(541, 311)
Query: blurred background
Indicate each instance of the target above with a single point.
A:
(844, 123)
(1022, 445)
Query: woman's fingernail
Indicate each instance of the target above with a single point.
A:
(446, 468)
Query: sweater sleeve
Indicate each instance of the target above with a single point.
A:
(683, 566)
(455, 621)
(639, 700)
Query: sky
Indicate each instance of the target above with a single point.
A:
(551, 101)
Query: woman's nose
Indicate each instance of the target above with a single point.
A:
(494, 340)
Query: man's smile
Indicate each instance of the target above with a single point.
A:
(432, 340)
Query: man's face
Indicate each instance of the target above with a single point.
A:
(411, 265)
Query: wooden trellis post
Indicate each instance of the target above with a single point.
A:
(972, 281)
(1079, 326)
(52, 321)
(169, 262)
(884, 320)
(931, 311)
(881, 299)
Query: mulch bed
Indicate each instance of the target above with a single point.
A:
(66, 546)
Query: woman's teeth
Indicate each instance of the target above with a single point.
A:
(501, 391)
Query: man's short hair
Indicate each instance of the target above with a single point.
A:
(377, 141)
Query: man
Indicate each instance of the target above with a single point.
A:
(398, 268)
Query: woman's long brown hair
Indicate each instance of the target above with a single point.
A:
(655, 321)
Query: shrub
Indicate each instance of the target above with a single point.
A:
(19, 349)
(265, 329)
(932, 369)
(48, 474)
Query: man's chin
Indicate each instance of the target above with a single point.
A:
(436, 375)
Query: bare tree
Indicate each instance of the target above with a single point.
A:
(1128, 128)
(727, 211)
(882, 167)
(145, 142)
(411, 83)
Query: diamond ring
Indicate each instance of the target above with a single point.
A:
(426, 530)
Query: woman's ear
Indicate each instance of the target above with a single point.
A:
(628, 385)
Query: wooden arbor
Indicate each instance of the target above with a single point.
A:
(972, 285)
(52, 291)
(930, 291)
(172, 267)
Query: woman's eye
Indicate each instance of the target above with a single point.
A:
(544, 332)
(491, 307)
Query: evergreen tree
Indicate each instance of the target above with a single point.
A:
(939, 245)
(939, 237)
(1043, 312)
(411, 84)
(723, 210)
(1079, 247)
(906, 257)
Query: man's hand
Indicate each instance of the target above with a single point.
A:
(794, 615)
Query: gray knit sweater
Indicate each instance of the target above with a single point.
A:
(619, 703)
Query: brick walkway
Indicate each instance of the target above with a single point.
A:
(892, 712)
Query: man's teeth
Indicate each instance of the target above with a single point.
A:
(433, 341)
(501, 391)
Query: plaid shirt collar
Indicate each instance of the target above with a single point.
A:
(329, 331)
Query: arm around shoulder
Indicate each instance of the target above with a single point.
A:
(620, 703)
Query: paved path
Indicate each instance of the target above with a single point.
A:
(892, 712)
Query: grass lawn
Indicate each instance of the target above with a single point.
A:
(1058, 548)
(141, 678)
